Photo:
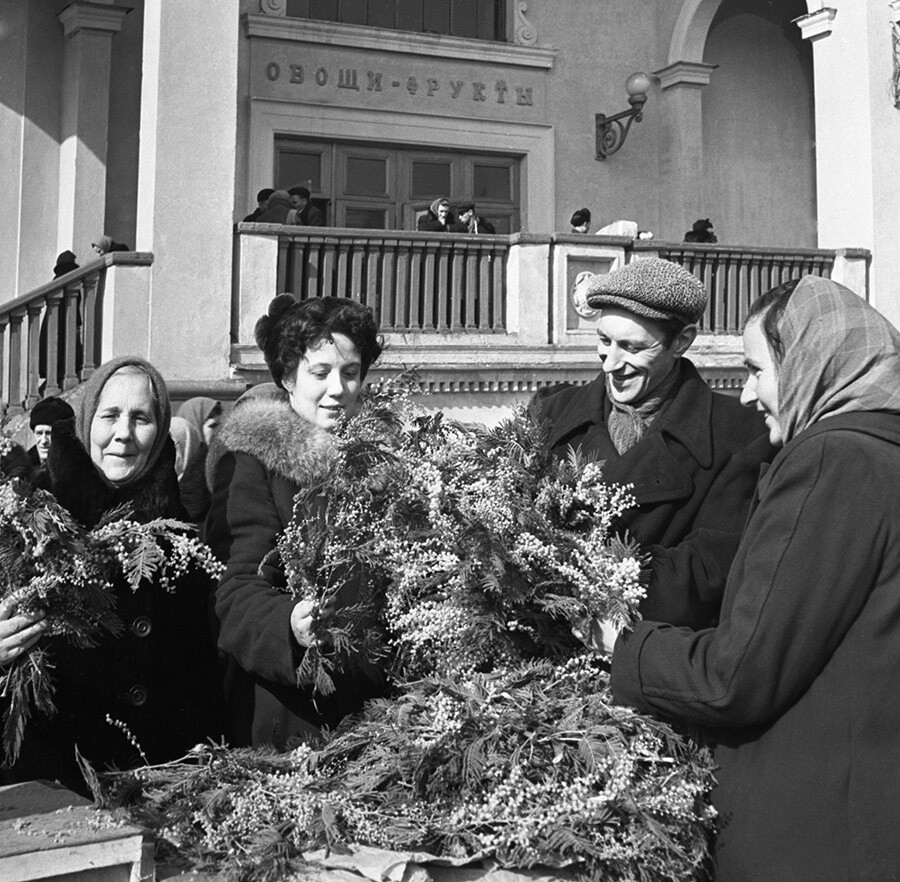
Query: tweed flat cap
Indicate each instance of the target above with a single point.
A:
(653, 288)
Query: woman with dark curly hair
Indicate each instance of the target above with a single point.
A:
(318, 352)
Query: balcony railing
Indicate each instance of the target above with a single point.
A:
(414, 282)
(735, 276)
(431, 283)
(55, 336)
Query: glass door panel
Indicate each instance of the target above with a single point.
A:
(295, 168)
(365, 217)
(492, 182)
(366, 176)
(430, 179)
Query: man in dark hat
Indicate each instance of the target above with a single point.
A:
(262, 203)
(303, 212)
(691, 455)
(44, 415)
(467, 221)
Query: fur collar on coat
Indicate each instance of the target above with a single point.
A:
(81, 490)
(283, 442)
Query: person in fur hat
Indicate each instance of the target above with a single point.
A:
(159, 677)
(318, 352)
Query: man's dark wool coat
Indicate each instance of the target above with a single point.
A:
(695, 469)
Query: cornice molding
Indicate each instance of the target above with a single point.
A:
(84, 15)
(301, 30)
(685, 73)
(816, 24)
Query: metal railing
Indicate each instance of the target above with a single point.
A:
(414, 282)
(50, 338)
(735, 276)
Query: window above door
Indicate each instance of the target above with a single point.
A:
(472, 19)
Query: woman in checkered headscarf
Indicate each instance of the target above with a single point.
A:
(797, 684)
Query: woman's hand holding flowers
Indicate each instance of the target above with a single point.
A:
(607, 636)
(601, 636)
(18, 633)
(305, 616)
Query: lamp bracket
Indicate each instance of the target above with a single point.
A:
(611, 131)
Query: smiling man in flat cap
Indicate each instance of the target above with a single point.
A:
(692, 455)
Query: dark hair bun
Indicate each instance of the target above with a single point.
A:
(266, 324)
(291, 326)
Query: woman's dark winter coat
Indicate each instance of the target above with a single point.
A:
(798, 683)
(268, 455)
(158, 678)
(695, 469)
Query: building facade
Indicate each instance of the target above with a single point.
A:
(157, 122)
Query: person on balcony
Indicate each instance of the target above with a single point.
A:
(691, 455)
(701, 232)
(438, 219)
(65, 263)
(797, 685)
(581, 221)
(303, 213)
(278, 210)
(262, 203)
(106, 244)
(318, 352)
(469, 222)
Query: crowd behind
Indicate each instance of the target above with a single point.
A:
(772, 534)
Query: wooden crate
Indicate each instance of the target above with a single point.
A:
(48, 832)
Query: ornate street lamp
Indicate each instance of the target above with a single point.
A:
(611, 131)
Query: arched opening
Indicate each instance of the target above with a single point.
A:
(759, 125)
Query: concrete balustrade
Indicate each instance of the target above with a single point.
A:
(53, 338)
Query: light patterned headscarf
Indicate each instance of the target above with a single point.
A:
(87, 406)
(841, 356)
(187, 444)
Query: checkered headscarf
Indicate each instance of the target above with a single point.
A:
(841, 356)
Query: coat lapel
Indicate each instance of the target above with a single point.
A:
(585, 408)
(660, 466)
(653, 469)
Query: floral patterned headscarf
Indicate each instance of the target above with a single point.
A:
(841, 356)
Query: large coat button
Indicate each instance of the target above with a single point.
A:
(137, 695)
(141, 626)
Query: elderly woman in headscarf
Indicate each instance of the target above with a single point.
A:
(797, 684)
(204, 415)
(158, 678)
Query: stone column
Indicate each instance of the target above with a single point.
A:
(186, 182)
(88, 29)
(681, 144)
(858, 137)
